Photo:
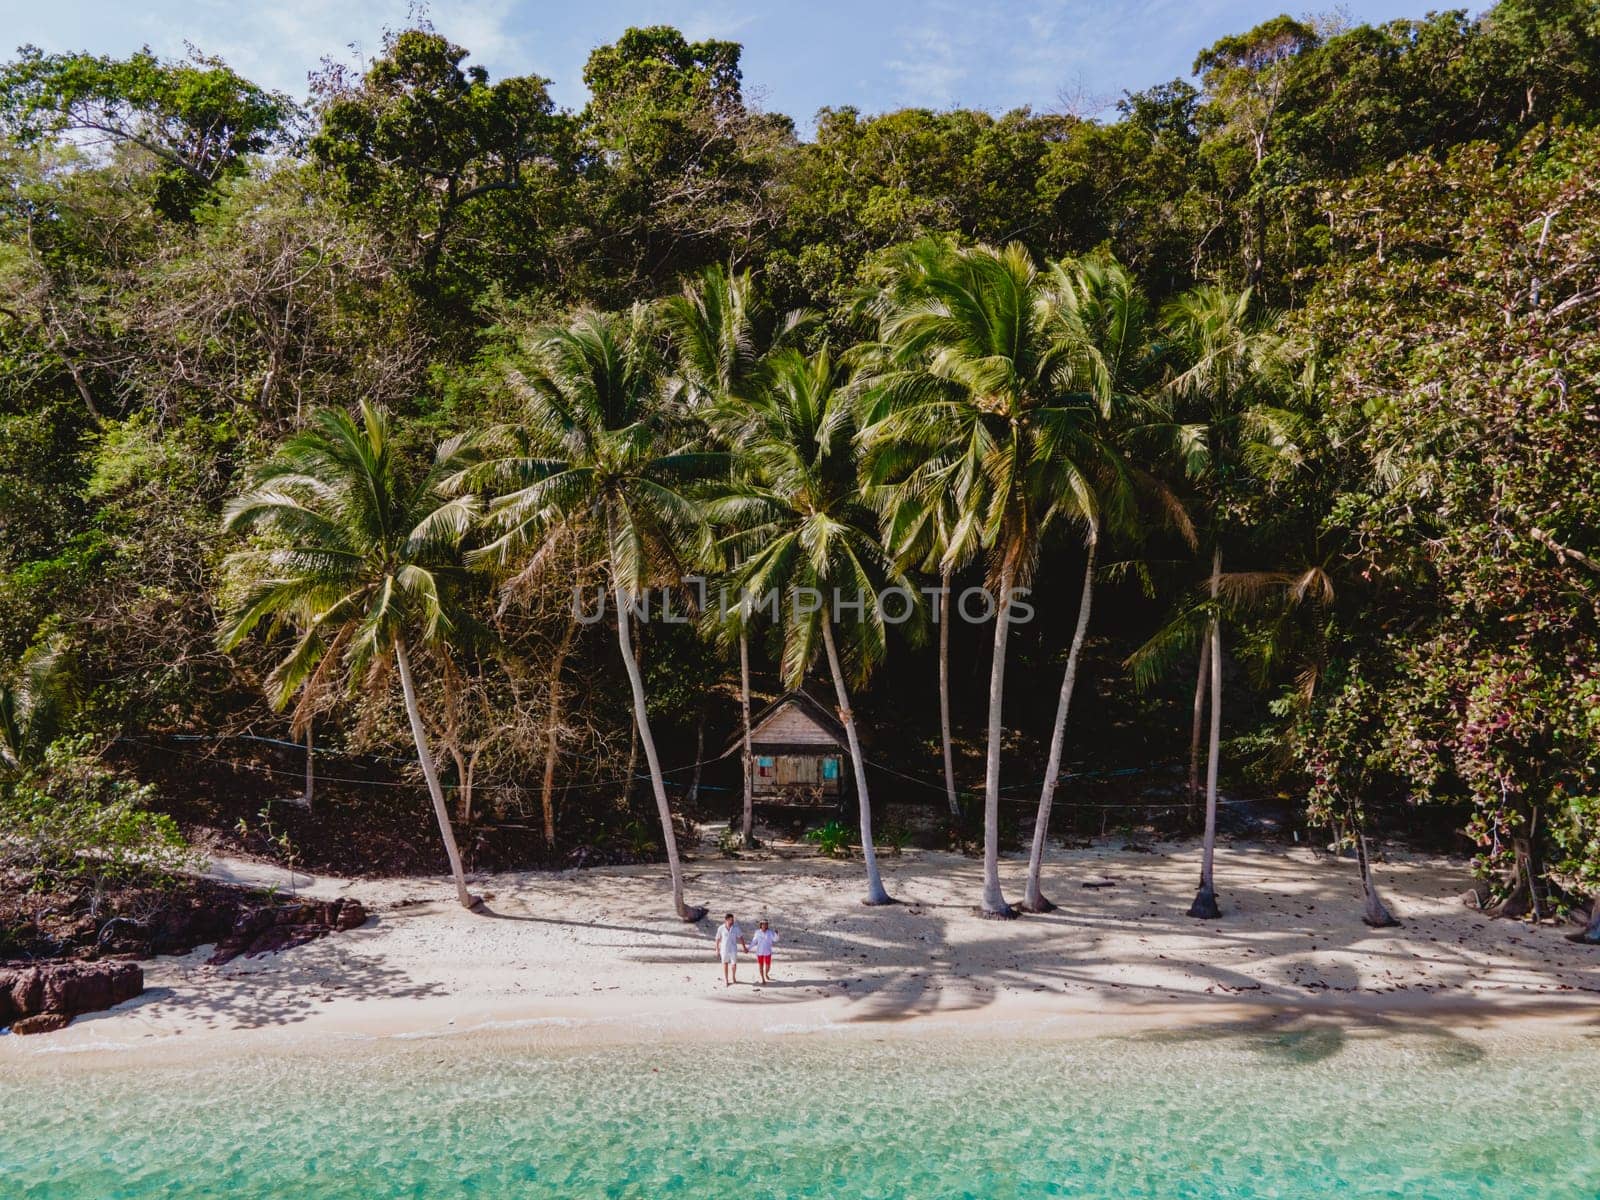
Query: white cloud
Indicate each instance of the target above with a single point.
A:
(933, 60)
(277, 44)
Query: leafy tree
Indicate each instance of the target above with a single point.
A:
(199, 120)
(362, 560)
(868, 183)
(429, 150)
(1460, 383)
(69, 824)
(1245, 77)
(681, 168)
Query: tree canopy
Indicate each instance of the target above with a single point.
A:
(1291, 365)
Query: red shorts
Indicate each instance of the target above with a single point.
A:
(764, 959)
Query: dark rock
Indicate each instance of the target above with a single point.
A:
(271, 930)
(41, 1023)
(279, 937)
(123, 935)
(351, 915)
(26, 991)
(65, 989)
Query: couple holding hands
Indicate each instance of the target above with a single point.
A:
(731, 939)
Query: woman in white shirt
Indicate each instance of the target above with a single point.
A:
(762, 944)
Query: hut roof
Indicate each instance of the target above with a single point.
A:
(795, 723)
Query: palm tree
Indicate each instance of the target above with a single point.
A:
(1234, 359)
(362, 560)
(972, 396)
(803, 532)
(721, 337)
(597, 456)
(1104, 316)
(34, 704)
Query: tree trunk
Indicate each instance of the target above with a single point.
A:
(1523, 898)
(1592, 933)
(641, 722)
(1199, 720)
(747, 833)
(699, 753)
(944, 693)
(626, 799)
(875, 890)
(1205, 900)
(466, 785)
(425, 757)
(553, 734)
(463, 787)
(1373, 912)
(82, 386)
(311, 773)
(1035, 900)
(994, 901)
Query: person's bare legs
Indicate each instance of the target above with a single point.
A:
(726, 981)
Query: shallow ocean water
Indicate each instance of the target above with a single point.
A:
(1286, 1113)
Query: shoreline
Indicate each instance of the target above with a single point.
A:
(590, 959)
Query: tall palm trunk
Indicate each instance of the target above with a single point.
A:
(1205, 899)
(641, 722)
(994, 901)
(1035, 900)
(311, 771)
(628, 776)
(944, 692)
(552, 734)
(631, 775)
(875, 890)
(699, 755)
(747, 833)
(1200, 682)
(425, 757)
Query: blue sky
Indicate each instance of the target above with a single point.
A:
(799, 54)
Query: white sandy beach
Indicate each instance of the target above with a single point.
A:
(596, 954)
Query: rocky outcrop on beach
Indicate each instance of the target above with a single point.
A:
(43, 997)
(269, 930)
(233, 924)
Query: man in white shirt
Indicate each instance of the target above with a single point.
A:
(730, 938)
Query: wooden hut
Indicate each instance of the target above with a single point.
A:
(799, 750)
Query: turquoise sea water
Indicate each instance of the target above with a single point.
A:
(1313, 1112)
